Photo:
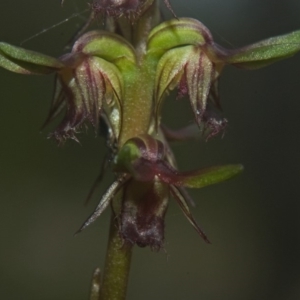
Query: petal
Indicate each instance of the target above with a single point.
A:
(58, 102)
(191, 64)
(169, 72)
(24, 61)
(199, 76)
(108, 46)
(175, 33)
(114, 91)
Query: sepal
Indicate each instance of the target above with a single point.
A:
(264, 53)
(177, 33)
(108, 46)
(143, 158)
(19, 60)
(205, 177)
(180, 198)
(105, 200)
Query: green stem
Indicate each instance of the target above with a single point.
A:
(138, 104)
(138, 99)
(136, 116)
(117, 265)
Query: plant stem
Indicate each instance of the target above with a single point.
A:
(136, 114)
(117, 265)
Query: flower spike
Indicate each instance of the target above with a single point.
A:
(104, 79)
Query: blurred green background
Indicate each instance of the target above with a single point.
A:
(252, 221)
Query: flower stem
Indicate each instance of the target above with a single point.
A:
(137, 112)
(117, 265)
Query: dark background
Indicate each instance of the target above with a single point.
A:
(252, 221)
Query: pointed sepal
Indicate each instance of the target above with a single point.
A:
(143, 158)
(19, 60)
(176, 33)
(208, 176)
(108, 46)
(105, 201)
(182, 202)
(266, 52)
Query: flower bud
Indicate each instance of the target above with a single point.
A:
(117, 8)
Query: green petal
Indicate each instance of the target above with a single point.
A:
(175, 33)
(59, 101)
(169, 72)
(114, 92)
(202, 178)
(23, 61)
(199, 75)
(112, 76)
(265, 52)
(108, 46)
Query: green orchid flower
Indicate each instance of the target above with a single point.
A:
(91, 83)
(188, 59)
(148, 180)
